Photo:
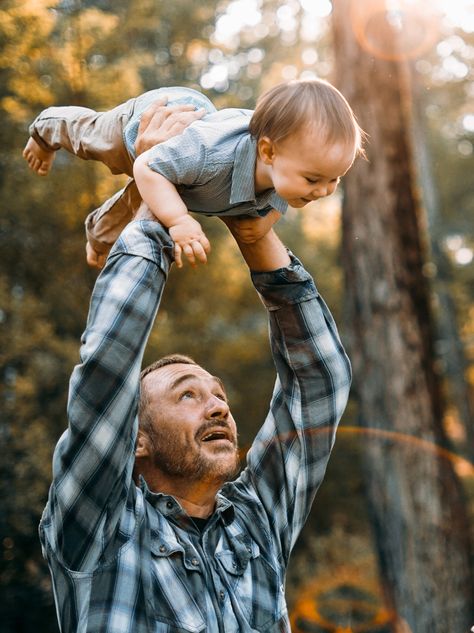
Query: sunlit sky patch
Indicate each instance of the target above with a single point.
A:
(320, 9)
(468, 122)
(462, 254)
(459, 12)
(239, 14)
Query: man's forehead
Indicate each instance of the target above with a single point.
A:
(175, 374)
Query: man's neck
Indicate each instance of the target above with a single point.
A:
(200, 509)
(198, 498)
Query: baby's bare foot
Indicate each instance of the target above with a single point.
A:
(38, 159)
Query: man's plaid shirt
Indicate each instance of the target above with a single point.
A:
(127, 560)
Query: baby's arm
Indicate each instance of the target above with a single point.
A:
(166, 204)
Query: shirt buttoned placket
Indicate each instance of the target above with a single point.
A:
(198, 555)
(230, 617)
(215, 593)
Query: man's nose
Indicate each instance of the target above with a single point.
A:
(216, 407)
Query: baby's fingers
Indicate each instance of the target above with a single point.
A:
(178, 255)
(200, 250)
(189, 252)
(206, 245)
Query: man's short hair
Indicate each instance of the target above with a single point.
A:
(145, 418)
(289, 107)
(170, 359)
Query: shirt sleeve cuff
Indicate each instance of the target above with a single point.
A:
(147, 239)
(285, 286)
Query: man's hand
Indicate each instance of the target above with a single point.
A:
(95, 259)
(190, 240)
(160, 123)
(248, 230)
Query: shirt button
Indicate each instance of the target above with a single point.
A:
(162, 548)
(221, 595)
(195, 561)
(169, 505)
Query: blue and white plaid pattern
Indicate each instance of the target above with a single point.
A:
(212, 164)
(127, 560)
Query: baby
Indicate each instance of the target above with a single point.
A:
(293, 149)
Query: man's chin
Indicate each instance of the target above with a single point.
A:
(224, 469)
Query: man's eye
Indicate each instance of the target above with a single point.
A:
(186, 394)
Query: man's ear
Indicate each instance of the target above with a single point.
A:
(266, 150)
(143, 445)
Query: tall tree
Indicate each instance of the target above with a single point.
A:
(452, 349)
(416, 502)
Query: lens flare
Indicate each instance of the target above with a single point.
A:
(395, 29)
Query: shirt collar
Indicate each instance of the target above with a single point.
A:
(243, 179)
(170, 507)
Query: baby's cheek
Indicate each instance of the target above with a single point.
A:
(285, 183)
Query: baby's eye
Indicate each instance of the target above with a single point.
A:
(312, 181)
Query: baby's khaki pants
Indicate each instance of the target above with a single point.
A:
(98, 136)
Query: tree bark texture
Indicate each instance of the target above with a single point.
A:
(415, 499)
(449, 343)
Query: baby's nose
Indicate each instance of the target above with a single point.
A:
(320, 191)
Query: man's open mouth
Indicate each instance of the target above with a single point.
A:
(216, 435)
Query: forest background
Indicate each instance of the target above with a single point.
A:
(352, 569)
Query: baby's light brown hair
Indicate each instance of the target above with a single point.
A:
(306, 105)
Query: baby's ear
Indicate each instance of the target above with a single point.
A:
(266, 150)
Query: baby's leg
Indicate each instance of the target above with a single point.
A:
(104, 225)
(88, 134)
(39, 159)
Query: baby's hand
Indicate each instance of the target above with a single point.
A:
(190, 240)
(249, 230)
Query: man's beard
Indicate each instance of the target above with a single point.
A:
(185, 460)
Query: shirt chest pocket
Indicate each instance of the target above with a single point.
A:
(176, 581)
(253, 583)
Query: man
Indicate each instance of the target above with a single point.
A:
(144, 529)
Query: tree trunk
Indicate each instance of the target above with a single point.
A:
(449, 343)
(415, 499)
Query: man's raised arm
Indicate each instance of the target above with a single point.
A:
(93, 461)
(288, 459)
